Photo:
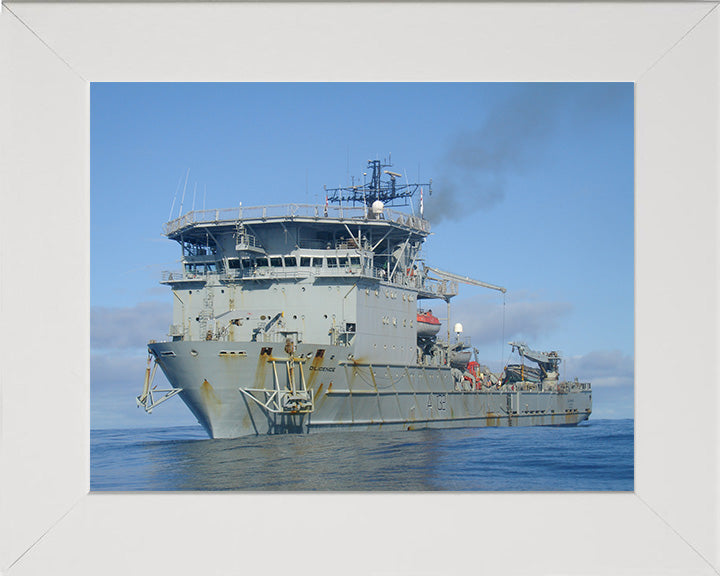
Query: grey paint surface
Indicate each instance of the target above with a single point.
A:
(293, 304)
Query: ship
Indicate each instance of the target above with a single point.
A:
(302, 318)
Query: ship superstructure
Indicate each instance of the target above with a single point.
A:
(304, 318)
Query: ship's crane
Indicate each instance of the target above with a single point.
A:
(547, 361)
(464, 279)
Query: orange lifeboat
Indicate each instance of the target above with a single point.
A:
(427, 324)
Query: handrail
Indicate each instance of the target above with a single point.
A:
(232, 215)
(437, 288)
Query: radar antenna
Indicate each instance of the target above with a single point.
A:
(389, 191)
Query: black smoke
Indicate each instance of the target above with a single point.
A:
(511, 139)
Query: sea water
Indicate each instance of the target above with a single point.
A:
(596, 455)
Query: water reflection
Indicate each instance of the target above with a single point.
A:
(343, 461)
(596, 456)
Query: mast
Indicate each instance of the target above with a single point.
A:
(388, 190)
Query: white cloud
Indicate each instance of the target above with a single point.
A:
(130, 327)
(112, 370)
(119, 338)
(603, 368)
(482, 318)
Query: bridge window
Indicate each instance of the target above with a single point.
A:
(332, 262)
(290, 261)
(233, 263)
(276, 262)
(259, 262)
(343, 262)
(355, 261)
(305, 261)
(247, 263)
(317, 262)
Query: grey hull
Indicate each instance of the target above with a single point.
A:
(224, 384)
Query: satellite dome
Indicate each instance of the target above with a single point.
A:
(377, 207)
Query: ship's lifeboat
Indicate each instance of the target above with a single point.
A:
(427, 324)
(460, 358)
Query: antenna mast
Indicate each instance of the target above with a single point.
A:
(388, 191)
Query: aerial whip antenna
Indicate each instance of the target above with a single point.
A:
(407, 184)
(172, 206)
(364, 197)
(183, 194)
(502, 340)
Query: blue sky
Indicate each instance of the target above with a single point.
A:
(532, 190)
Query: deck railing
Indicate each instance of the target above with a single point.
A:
(438, 288)
(242, 213)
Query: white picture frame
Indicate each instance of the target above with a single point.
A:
(50, 523)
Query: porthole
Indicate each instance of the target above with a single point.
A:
(193, 352)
